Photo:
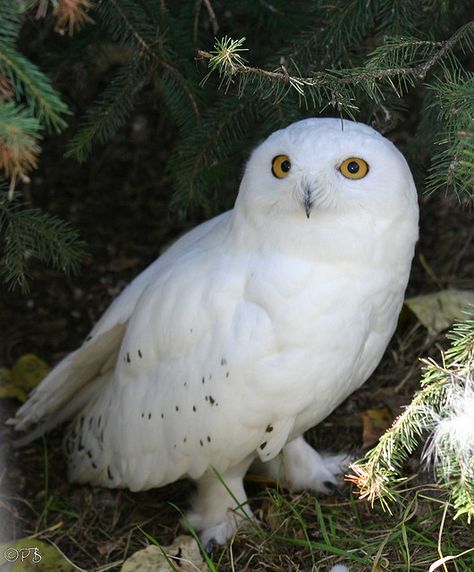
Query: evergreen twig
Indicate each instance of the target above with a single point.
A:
(226, 58)
(440, 409)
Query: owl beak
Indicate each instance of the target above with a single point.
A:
(308, 200)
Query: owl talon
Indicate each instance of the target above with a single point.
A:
(211, 544)
(333, 488)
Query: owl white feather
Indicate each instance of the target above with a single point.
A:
(248, 331)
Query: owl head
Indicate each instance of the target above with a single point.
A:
(326, 164)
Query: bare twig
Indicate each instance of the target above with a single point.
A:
(212, 16)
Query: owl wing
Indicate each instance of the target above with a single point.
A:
(73, 382)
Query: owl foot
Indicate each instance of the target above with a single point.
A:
(220, 506)
(222, 532)
(301, 467)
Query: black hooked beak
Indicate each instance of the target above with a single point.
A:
(308, 200)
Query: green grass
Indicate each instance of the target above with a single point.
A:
(301, 533)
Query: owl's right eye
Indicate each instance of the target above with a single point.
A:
(281, 166)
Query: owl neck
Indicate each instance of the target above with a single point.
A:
(331, 235)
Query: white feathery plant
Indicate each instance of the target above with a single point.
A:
(443, 409)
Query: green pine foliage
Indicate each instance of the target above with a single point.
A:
(29, 234)
(440, 415)
(29, 85)
(452, 165)
(19, 134)
(29, 104)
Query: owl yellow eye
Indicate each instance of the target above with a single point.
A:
(354, 168)
(281, 166)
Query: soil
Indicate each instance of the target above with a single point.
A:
(119, 201)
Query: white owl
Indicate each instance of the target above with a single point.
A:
(248, 331)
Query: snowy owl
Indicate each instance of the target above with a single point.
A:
(248, 331)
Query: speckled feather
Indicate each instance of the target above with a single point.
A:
(252, 327)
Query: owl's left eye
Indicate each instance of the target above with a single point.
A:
(354, 168)
(281, 166)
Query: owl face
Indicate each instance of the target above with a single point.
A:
(326, 164)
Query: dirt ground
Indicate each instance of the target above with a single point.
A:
(119, 202)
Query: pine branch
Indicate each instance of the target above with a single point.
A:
(12, 20)
(125, 22)
(72, 15)
(30, 82)
(111, 110)
(199, 162)
(443, 410)
(29, 233)
(453, 158)
(19, 141)
(227, 60)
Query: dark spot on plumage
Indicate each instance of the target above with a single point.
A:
(109, 473)
(211, 400)
(94, 466)
(174, 446)
(99, 420)
(210, 376)
(149, 415)
(101, 439)
(190, 330)
(91, 419)
(143, 415)
(89, 338)
(162, 415)
(177, 408)
(81, 422)
(227, 374)
(208, 439)
(194, 408)
(185, 384)
(74, 434)
(185, 439)
(200, 441)
(128, 357)
(80, 447)
(223, 361)
(203, 380)
(269, 429)
(206, 398)
(89, 454)
(140, 355)
(263, 445)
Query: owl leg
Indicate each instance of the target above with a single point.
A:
(216, 514)
(301, 467)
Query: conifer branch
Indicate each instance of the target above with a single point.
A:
(443, 410)
(19, 141)
(72, 15)
(201, 156)
(29, 80)
(28, 233)
(110, 111)
(161, 61)
(227, 60)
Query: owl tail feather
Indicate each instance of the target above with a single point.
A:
(69, 386)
